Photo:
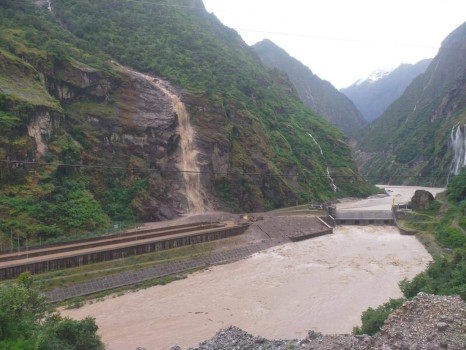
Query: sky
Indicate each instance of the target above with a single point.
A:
(343, 41)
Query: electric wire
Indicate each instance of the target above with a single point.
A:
(215, 173)
(297, 35)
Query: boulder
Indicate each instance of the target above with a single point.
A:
(421, 200)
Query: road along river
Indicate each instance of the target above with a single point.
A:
(321, 284)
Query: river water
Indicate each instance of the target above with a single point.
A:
(321, 284)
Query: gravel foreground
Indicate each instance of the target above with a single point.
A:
(427, 322)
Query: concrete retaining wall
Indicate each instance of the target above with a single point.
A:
(311, 235)
(124, 237)
(118, 253)
(100, 241)
(405, 231)
(329, 219)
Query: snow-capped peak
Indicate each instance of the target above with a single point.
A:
(379, 74)
(374, 76)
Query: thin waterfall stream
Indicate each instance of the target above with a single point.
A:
(458, 142)
(335, 188)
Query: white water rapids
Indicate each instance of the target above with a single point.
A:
(335, 188)
(188, 166)
(458, 142)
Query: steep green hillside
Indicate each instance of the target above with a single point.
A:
(412, 138)
(249, 108)
(316, 93)
(63, 100)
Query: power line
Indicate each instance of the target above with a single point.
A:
(309, 36)
(217, 173)
(296, 35)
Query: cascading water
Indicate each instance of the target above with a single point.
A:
(335, 188)
(458, 143)
(189, 166)
(49, 5)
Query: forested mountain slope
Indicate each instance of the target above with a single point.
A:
(373, 96)
(107, 138)
(316, 93)
(413, 137)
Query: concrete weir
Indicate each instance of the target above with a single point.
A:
(365, 217)
(320, 228)
(116, 249)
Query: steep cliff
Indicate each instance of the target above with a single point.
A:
(372, 96)
(316, 93)
(87, 141)
(411, 141)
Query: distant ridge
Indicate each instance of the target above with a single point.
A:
(374, 94)
(316, 93)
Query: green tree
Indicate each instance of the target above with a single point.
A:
(26, 324)
(373, 319)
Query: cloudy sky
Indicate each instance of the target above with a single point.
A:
(345, 40)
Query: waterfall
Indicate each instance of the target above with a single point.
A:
(189, 166)
(189, 154)
(335, 188)
(49, 5)
(458, 143)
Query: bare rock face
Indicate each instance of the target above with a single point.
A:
(128, 121)
(72, 80)
(421, 200)
(40, 128)
(427, 322)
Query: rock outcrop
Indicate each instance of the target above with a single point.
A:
(421, 200)
(427, 322)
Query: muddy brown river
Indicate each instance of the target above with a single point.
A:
(321, 284)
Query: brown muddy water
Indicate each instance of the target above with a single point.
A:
(321, 284)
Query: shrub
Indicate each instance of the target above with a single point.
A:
(25, 324)
(373, 319)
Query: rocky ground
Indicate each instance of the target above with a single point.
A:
(428, 322)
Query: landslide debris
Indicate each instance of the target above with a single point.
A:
(427, 322)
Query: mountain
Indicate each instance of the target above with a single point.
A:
(316, 93)
(87, 141)
(419, 136)
(374, 94)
